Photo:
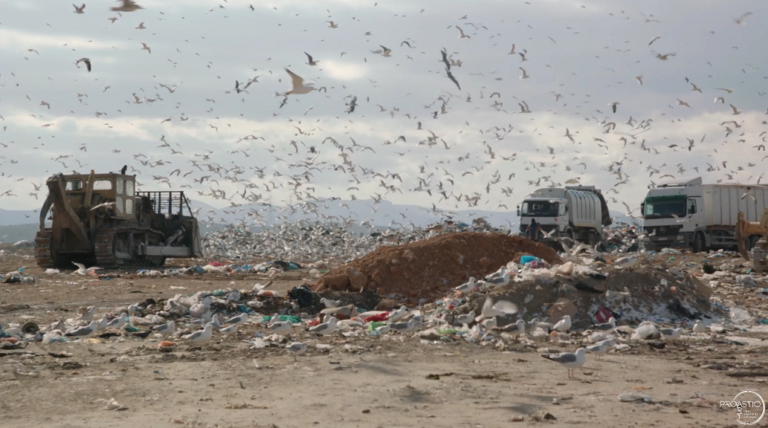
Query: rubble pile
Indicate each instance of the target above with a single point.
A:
(429, 268)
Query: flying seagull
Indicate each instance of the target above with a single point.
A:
(79, 10)
(87, 62)
(297, 85)
(310, 61)
(127, 6)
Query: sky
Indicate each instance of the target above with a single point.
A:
(472, 143)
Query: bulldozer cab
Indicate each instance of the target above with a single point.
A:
(88, 191)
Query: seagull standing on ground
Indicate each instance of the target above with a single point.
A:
(200, 336)
(569, 360)
(296, 348)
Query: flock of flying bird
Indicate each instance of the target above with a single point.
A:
(434, 155)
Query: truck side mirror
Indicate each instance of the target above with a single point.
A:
(518, 210)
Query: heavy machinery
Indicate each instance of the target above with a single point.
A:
(101, 220)
(754, 236)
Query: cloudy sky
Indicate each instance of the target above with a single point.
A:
(580, 56)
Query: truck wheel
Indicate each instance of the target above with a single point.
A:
(698, 242)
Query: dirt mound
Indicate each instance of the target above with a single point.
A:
(429, 268)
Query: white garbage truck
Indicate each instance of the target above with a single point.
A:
(576, 212)
(698, 216)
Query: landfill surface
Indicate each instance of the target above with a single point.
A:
(440, 373)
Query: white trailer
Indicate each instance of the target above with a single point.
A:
(700, 216)
(576, 212)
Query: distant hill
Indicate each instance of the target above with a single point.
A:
(11, 217)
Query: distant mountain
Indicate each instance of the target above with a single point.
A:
(11, 217)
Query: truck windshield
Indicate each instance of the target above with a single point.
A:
(539, 209)
(665, 206)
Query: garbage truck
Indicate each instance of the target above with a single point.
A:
(692, 215)
(575, 212)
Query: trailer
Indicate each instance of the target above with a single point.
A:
(697, 216)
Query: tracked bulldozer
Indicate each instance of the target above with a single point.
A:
(753, 236)
(101, 220)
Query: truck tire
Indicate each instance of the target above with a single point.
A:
(698, 242)
(591, 238)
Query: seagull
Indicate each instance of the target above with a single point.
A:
(332, 24)
(280, 327)
(325, 328)
(166, 329)
(141, 27)
(610, 325)
(682, 103)
(524, 75)
(200, 336)
(721, 99)
(404, 327)
(563, 325)
(144, 47)
(103, 205)
(671, 334)
(384, 51)
(330, 303)
(118, 322)
(570, 360)
(739, 20)
(86, 314)
(639, 79)
(698, 327)
(310, 61)
(86, 61)
(297, 85)
(613, 106)
(81, 270)
(499, 281)
(102, 324)
(492, 310)
(465, 318)
(467, 286)
(654, 39)
(512, 51)
(600, 347)
(297, 348)
(398, 314)
(536, 324)
(461, 33)
(229, 329)
(237, 320)
(734, 110)
(83, 331)
(664, 57)
(128, 6)
(79, 10)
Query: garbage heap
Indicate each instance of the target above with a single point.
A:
(425, 270)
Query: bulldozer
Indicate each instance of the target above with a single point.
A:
(102, 220)
(753, 236)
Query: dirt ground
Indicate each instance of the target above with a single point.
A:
(360, 382)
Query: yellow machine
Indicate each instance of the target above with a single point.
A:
(753, 236)
(101, 220)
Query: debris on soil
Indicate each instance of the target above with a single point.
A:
(428, 269)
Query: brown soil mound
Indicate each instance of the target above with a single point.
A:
(429, 268)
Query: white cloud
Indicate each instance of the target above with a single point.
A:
(18, 40)
(345, 71)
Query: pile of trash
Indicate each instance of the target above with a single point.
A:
(427, 269)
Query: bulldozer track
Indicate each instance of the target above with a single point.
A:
(43, 255)
(104, 246)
